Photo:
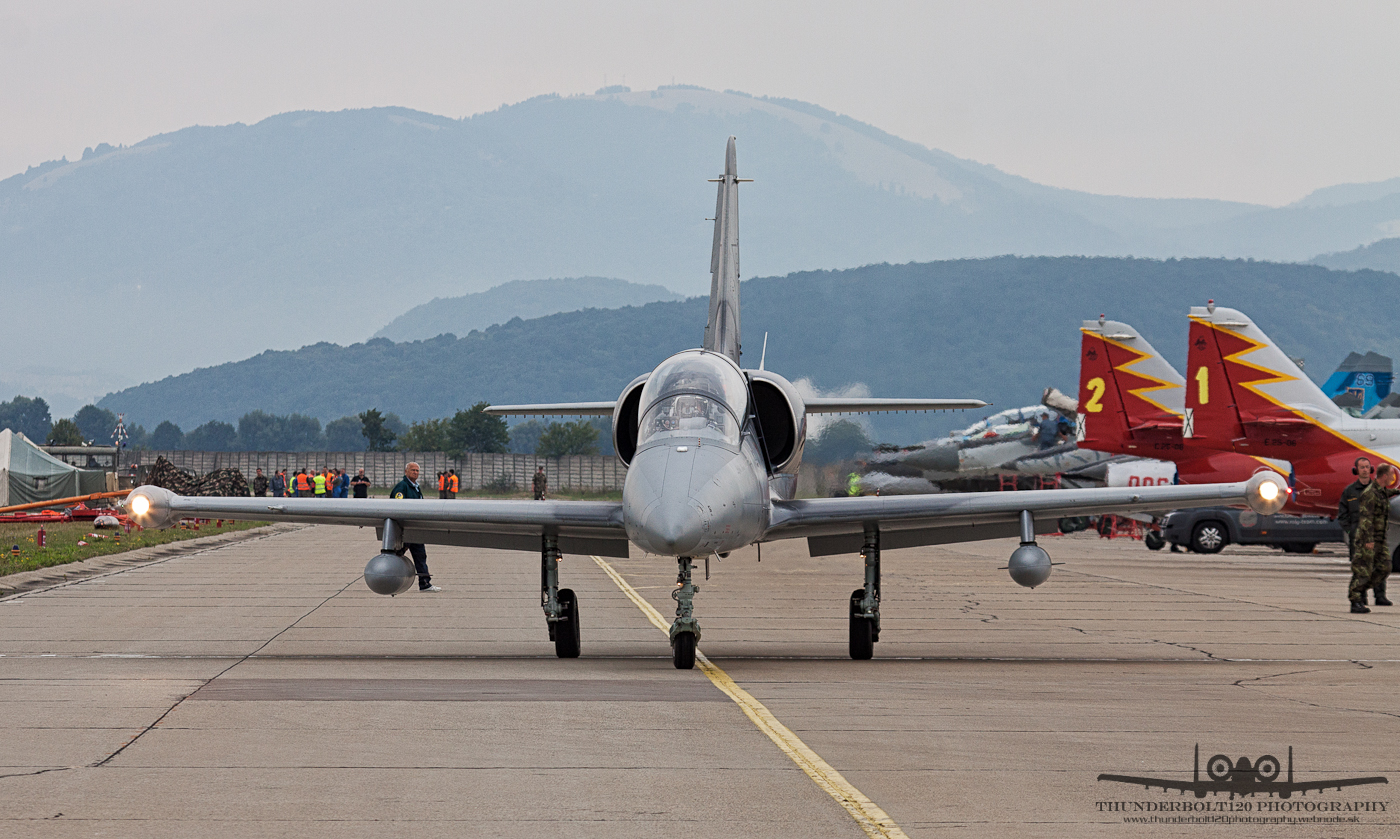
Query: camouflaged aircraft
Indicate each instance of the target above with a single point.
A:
(713, 451)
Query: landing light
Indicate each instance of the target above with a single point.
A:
(140, 504)
(1266, 493)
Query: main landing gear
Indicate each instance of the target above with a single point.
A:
(865, 602)
(560, 605)
(685, 630)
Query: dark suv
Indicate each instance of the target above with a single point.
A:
(1208, 529)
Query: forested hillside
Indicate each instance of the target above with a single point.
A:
(999, 329)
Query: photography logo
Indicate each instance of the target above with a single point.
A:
(1243, 778)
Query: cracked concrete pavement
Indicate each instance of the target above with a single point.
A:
(258, 689)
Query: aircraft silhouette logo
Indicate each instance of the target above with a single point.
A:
(1242, 777)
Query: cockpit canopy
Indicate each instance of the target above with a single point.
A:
(694, 394)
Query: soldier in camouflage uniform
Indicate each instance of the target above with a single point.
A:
(1370, 559)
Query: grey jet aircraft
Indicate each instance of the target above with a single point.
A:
(713, 451)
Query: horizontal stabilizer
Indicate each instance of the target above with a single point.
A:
(862, 405)
(555, 409)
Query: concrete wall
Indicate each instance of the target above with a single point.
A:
(588, 473)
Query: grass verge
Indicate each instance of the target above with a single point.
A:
(63, 539)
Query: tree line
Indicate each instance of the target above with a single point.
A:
(467, 431)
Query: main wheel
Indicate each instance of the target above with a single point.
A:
(1209, 537)
(1299, 547)
(862, 629)
(683, 651)
(1153, 540)
(566, 635)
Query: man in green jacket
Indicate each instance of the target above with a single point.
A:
(408, 488)
(1370, 558)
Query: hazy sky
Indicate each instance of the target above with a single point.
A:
(1261, 101)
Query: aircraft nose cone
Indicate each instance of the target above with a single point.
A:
(675, 529)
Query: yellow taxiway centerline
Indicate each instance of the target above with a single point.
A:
(872, 819)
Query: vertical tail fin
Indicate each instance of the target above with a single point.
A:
(1242, 390)
(1361, 381)
(722, 329)
(1129, 396)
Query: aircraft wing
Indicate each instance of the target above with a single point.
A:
(583, 527)
(1247, 787)
(554, 409)
(866, 405)
(837, 525)
(1336, 783)
(1148, 783)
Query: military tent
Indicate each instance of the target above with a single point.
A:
(27, 473)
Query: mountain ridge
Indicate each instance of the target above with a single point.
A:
(211, 243)
(1000, 329)
(519, 298)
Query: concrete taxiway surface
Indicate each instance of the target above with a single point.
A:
(258, 689)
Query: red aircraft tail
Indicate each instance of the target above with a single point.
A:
(1130, 398)
(1244, 394)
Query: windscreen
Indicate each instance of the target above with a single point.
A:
(694, 394)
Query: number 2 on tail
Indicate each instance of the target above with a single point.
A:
(1095, 386)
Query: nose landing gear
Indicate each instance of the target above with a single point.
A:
(865, 602)
(685, 630)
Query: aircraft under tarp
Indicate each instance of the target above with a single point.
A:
(28, 473)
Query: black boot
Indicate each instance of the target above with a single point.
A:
(1381, 599)
(1359, 608)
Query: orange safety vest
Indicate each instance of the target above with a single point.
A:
(302, 484)
(452, 479)
(442, 482)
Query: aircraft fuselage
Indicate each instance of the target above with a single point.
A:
(697, 483)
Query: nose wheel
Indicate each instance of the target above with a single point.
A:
(685, 630)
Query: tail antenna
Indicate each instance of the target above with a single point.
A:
(764, 355)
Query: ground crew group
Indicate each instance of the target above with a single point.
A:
(1363, 513)
(448, 484)
(327, 483)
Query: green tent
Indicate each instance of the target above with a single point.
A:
(27, 473)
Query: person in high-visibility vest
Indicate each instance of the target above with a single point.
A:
(320, 481)
(442, 485)
(303, 484)
(853, 484)
(452, 483)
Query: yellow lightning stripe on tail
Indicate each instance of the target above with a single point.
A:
(1140, 392)
(1278, 378)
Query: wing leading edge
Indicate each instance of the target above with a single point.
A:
(554, 409)
(838, 525)
(583, 527)
(866, 405)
